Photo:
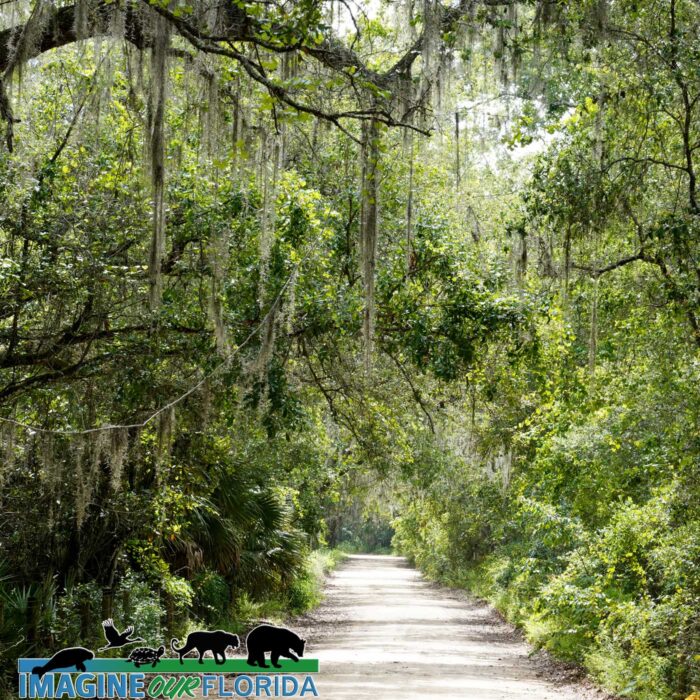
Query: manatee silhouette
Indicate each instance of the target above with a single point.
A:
(73, 656)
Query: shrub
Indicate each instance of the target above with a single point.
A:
(212, 596)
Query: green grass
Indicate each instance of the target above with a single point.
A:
(302, 595)
(306, 592)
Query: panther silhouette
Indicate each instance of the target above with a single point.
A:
(216, 642)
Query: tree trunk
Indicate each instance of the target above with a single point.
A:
(107, 603)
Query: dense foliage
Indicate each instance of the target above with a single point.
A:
(277, 275)
(577, 505)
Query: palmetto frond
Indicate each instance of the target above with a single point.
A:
(243, 531)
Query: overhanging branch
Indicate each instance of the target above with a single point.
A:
(598, 271)
(59, 29)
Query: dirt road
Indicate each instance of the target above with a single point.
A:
(384, 633)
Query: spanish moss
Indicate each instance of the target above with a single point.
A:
(156, 142)
(369, 224)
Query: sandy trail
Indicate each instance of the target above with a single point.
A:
(384, 633)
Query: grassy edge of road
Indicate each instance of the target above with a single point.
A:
(303, 595)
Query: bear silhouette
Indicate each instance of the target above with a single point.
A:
(73, 656)
(279, 641)
(216, 642)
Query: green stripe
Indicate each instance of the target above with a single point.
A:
(174, 666)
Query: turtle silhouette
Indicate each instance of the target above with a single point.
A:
(145, 655)
(73, 656)
(117, 639)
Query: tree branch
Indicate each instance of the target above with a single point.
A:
(59, 29)
(596, 272)
(414, 391)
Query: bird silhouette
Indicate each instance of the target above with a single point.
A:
(115, 638)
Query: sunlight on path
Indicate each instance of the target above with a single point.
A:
(405, 639)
